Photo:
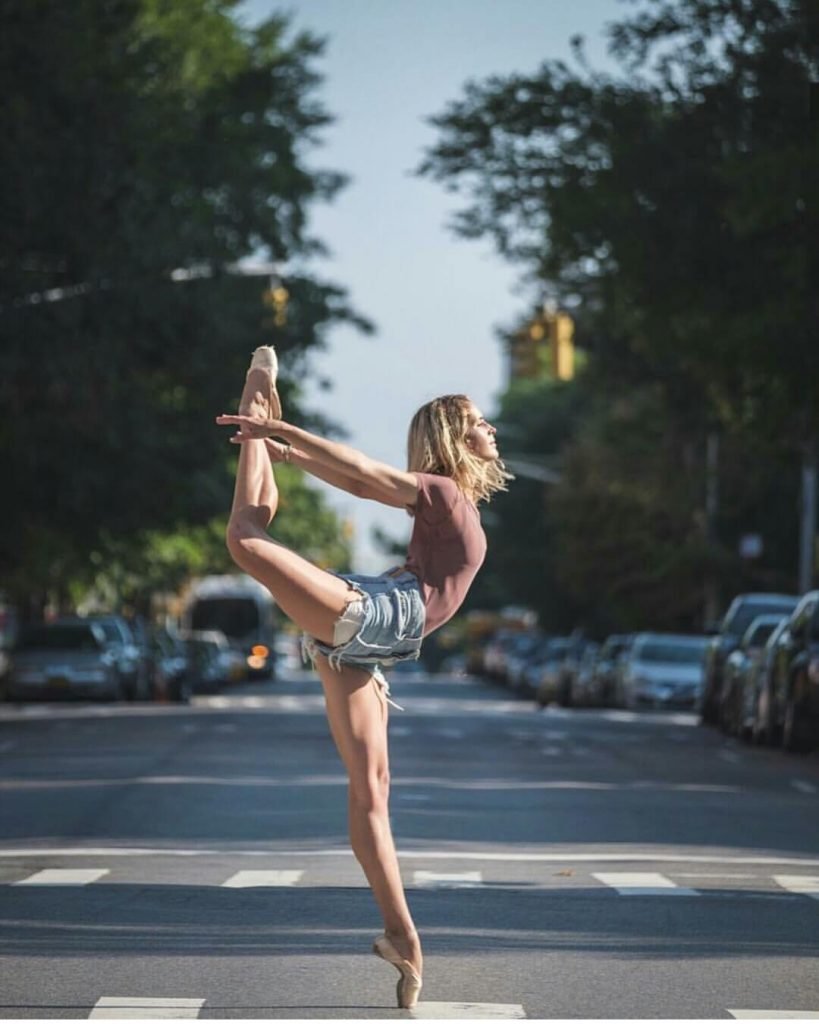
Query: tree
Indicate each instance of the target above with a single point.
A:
(675, 216)
(139, 138)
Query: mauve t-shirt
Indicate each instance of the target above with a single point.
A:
(447, 546)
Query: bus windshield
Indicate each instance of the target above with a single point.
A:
(234, 616)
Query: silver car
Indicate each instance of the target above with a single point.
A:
(64, 659)
(664, 670)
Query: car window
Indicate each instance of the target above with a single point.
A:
(670, 653)
(744, 613)
(57, 638)
(760, 634)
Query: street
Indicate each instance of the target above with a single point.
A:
(192, 861)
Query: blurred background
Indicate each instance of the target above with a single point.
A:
(599, 221)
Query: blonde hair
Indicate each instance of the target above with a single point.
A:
(437, 444)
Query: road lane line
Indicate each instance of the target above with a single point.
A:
(64, 876)
(804, 885)
(643, 883)
(803, 786)
(576, 856)
(774, 1014)
(250, 879)
(439, 880)
(145, 1007)
(468, 1011)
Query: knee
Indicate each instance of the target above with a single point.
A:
(371, 793)
(240, 535)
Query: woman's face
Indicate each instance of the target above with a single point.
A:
(480, 435)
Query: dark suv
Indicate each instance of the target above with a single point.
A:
(794, 678)
(741, 613)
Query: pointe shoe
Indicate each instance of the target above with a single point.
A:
(409, 984)
(260, 383)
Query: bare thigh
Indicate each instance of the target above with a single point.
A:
(357, 714)
(311, 597)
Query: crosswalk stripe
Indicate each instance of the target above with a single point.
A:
(804, 885)
(248, 879)
(142, 1007)
(468, 1011)
(774, 1014)
(643, 883)
(64, 876)
(439, 880)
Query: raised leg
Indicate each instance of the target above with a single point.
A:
(357, 713)
(311, 597)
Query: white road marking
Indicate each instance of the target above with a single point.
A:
(468, 1011)
(566, 856)
(774, 1014)
(64, 876)
(554, 734)
(621, 716)
(250, 879)
(453, 734)
(730, 756)
(437, 880)
(189, 727)
(400, 730)
(645, 883)
(551, 751)
(113, 1007)
(803, 786)
(804, 885)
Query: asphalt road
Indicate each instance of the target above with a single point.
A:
(192, 862)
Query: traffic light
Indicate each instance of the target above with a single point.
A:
(561, 345)
(543, 347)
(276, 298)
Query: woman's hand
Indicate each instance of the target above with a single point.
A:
(250, 428)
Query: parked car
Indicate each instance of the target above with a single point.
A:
(758, 682)
(741, 613)
(171, 675)
(132, 660)
(569, 668)
(736, 708)
(664, 670)
(606, 668)
(585, 691)
(543, 673)
(496, 650)
(214, 663)
(794, 678)
(517, 658)
(64, 658)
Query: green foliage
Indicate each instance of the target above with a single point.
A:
(675, 216)
(139, 137)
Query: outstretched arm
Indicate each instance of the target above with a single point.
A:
(338, 464)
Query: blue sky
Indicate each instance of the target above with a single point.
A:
(435, 299)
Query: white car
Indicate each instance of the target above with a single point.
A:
(664, 670)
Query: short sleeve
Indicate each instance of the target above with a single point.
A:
(437, 496)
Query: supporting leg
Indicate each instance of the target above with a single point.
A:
(357, 714)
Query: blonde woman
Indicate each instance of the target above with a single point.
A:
(354, 624)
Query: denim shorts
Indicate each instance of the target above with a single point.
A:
(391, 615)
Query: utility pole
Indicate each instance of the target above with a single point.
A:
(711, 597)
(807, 526)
